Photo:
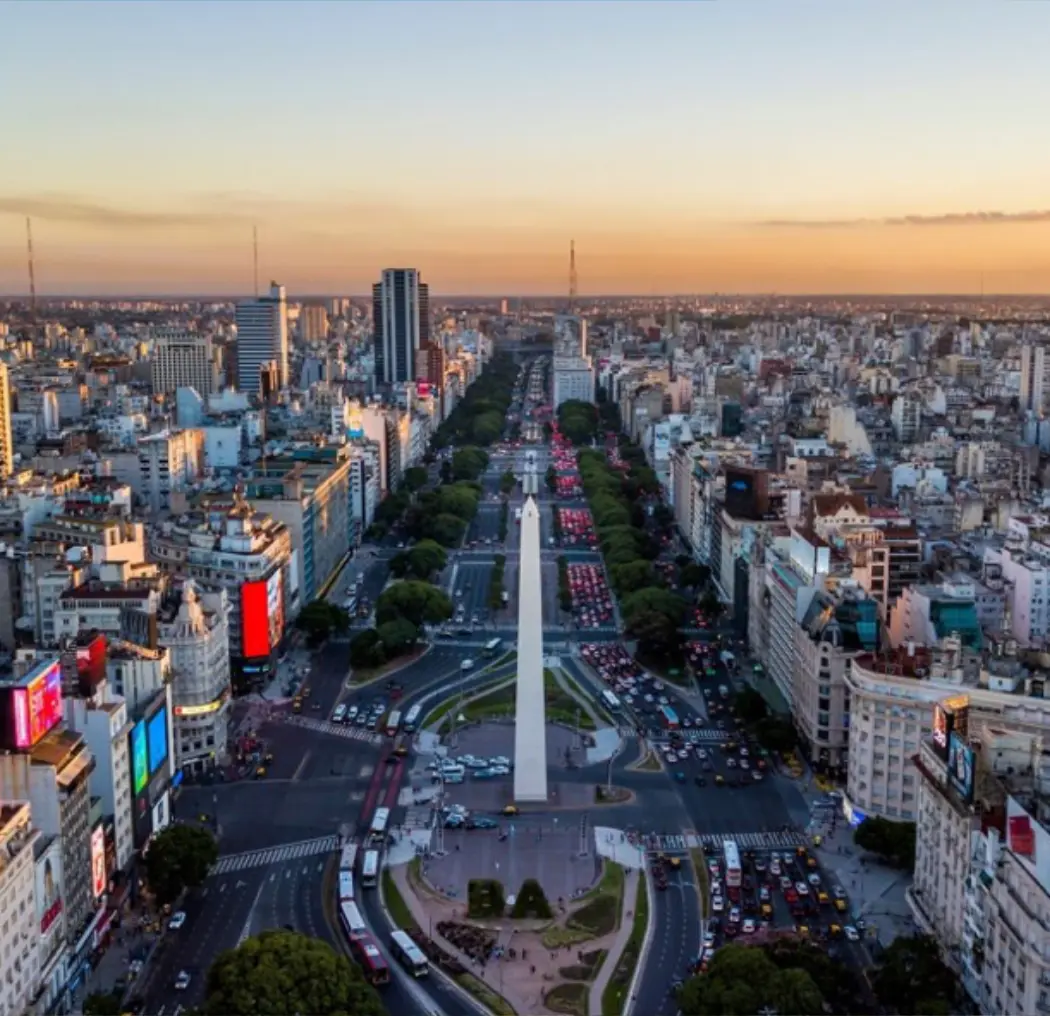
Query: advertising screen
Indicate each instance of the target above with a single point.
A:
(139, 764)
(91, 661)
(960, 766)
(98, 862)
(942, 729)
(38, 706)
(255, 628)
(49, 887)
(275, 607)
(157, 737)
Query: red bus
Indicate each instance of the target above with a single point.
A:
(370, 960)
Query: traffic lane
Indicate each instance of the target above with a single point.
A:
(471, 594)
(216, 916)
(286, 901)
(674, 945)
(749, 809)
(403, 993)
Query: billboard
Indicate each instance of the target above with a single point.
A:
(98, 862)
(37, 705)
(942, 730)
(355, 426)
(952, 715)
(139, 763)
(49, 889)
(961, 761)
(255, 628)
(91, 662)
(157, 739)
(275, 607)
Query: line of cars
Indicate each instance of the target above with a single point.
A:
(455, 770)
(592, 604)
(366, 715)
(577, 527)
(456, 816)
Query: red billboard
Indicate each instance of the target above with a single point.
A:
(91, 662)
(255, 625)
(37, 705)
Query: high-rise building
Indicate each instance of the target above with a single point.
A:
(401, 323)
(182, 359)
(1033, 377)
(262, 337)
(313, 322)
(7, 448)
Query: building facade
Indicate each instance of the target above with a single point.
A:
(401, 323)
(262, 338)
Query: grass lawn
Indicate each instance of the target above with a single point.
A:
(570, 999)
(555, 938)
(364, 674)
(485, 995)
(700, 865)
(616, 990)
(396, 904)
(588, 969)
(561, 706)
(599, 916)
(650, 764)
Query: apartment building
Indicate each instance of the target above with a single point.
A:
(182, 359)
(20, 935)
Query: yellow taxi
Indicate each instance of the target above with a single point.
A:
(511, 809)
(840, 905)
(767, 911)
(803, 930)
(719, 780)
(823, 899)
(834, 930)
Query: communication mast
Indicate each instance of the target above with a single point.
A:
(572, 276)
(32, 271)
(255, 262)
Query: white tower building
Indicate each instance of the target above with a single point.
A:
(262, 337)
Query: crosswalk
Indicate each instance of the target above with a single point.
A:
(417, 816)
(336, 729)
(692, 735)
(680, 842)
(271, 855)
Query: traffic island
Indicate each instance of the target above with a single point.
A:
(610, 992)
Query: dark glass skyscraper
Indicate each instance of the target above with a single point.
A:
(401, 323)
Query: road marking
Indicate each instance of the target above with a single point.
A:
(302, 765)
(247, 929)
(268, 855)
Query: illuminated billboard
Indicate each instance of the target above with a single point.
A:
(255, 628)
(139, 763)
(91, 662)
(961, 761)
(36, 705)
(275, 607)
(98, 862)
(355, 425)
(49, 889)
(951, 716)
(157, 739)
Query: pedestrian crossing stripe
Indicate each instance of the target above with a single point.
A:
(270, 855)
(337, 729)
(691, 735)
(669, 843)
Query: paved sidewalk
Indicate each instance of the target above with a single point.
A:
(131, 941)
(619, 943)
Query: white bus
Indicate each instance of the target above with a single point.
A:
(409, 954)
(610, 701)
(348, 857)
(733, 872)
(492, 647)
(370, 869)
(353, 922)
(346, 886)
(411, 719)
(393, 723)
(380, 821)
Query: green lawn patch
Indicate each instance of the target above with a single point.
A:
(611, 882)
(599, 916)
(555, 938)
(561, 706)
(700, 866)
(588, 967)
(396, 905)
(485, 995)
(615, 993)
(570, 999)
(649, 764)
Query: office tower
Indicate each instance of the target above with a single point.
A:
(313, 323)
(262, 336)
(401, 323)
(1033, 377)
(182, 359)
(7, 448)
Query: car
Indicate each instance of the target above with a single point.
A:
(734, 915)
(838, 892)
(756, 776)
(182, 981)
(679, 777)
(482, 822)
(452, 779)
(814, 879)
(744, 764)
(785, 883)
(178, 919)
(455, 822)
(731, 763)
(717, 904)
(749, 926)
(499, 770)
(701, 753)
(709, 940)
(716, 888)
(683, 754)
(852, 935)
(500, 760)
(510, 809)
(801, 888)
(774, 867)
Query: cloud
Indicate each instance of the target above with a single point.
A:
(951, 219)
(66, 208)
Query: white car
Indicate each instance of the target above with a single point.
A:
(801, 888)
(709, 940)
(852, 935)
(717, 904)
(731, 762)
(756, 776)
(749, 926)
(499, 770)
(683, 754)
(774, 867)
(701, 753)
(182, 982)
(814, 879)
(500, 760)
(744, 764)
(178, 919)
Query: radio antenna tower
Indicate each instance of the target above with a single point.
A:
(32, 271)
(255, 261)
(572, 276)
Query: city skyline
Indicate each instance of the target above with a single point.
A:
(880, 148)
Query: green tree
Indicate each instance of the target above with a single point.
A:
(552, 479)
(578, 421)
(507, 482)
(696, 576)
(485, 898)
(445, 472)
(628, 578)
(397, 636)
(657, 635)
(661, 601)
(531, 901)
(750, 706)
(459, 499)
(894, 842)
(912, 978)
(487, 428)
(418, 602)
(179, 858)
(320, 619)
(743, 979)
(103, 1003)
(446, 529)
(366, 650)
(420, 561)
(414, 478)
(710, 604)
(468, 463)
(776, 734)
(283, 973)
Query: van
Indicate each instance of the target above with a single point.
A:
(467, 665)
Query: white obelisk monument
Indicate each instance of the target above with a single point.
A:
(530, 729)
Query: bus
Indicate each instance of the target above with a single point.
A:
(370, 960)
(732, 856)
(409, 954)
(370, 869)
(610, 701)
(411, 719)
(350, 604)
(393, 723)
(379, 822)
(353, 923)
(492, 647)
(346, 885)
(669, 717)
(348, 857)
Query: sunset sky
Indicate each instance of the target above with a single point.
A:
(730, 146)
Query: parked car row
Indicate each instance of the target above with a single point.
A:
(592, 604)
(577, 527)
(454, 771)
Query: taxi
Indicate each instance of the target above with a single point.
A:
(840, 905)
(510, 809)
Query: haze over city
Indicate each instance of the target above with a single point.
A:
(820, 148)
